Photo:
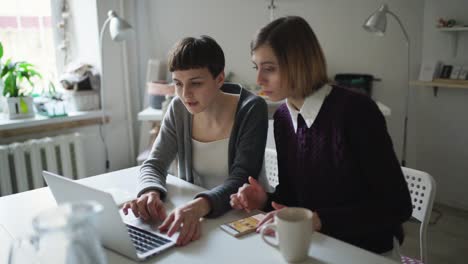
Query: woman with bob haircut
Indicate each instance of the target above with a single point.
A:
(218, 132)
(335, 155)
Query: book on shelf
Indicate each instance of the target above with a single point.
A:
(455, 72)
(463, 75)
(429, 71)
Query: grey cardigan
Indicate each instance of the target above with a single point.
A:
(245, 153)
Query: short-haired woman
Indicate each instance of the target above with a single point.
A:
(218, 132)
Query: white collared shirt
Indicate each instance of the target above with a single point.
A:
(310, 108)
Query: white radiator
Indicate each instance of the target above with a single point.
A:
(21, 164)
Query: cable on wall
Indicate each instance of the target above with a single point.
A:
(272, 8)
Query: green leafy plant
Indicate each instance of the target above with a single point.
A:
(15, 75)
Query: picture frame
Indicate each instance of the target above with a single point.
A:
(463, 75)
(430, 70)
(446, 71)
(455, 72)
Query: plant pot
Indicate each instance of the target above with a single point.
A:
(157, 92)
(82, 100)
(19, 107)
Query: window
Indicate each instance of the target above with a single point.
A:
(26, 33)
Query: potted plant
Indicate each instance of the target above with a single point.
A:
(16, 76)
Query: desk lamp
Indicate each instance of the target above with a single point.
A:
(377, 24)
(119, 30)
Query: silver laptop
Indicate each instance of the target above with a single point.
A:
(131, 238)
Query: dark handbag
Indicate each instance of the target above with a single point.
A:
(360, 82)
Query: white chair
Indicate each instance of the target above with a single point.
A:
(271, 167)
(422, 189)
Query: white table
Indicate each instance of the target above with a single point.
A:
(150, 114)
(215, 246)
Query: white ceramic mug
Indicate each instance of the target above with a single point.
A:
(293, 227)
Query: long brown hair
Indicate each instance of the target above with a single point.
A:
(301, 61)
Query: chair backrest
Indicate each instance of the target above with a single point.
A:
(422, 189)
(271, 166)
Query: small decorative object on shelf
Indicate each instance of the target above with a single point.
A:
(446, 71)
(455, 72)
(82, 100)
(442, 23)
(156, 84)
(157, 92)
(50, 103)
(463, 73)
(80, 82)
(19, 107)
(430, 71)
(50, 107)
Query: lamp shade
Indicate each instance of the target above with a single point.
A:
(377, 22)
(119, 28)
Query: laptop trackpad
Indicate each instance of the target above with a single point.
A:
(150, 227)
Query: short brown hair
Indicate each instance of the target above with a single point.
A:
(301, 61)
(194, 53)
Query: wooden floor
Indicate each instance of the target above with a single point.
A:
(447, 237)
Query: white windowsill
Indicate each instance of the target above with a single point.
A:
(150, 114)
(6, 123)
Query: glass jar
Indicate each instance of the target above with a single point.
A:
(65, 234)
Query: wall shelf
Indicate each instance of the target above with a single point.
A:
(436, 83)
(454, 31)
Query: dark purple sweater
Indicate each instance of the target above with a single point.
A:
(343, 167)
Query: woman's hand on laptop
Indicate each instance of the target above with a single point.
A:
(148, 206)
(186, 219)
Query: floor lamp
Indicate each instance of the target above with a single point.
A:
(377, 23)
(119, 30)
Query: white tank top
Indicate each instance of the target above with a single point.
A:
(210, 162)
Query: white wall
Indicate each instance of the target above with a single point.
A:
(337, 24)
(442, 121)
(437, 125)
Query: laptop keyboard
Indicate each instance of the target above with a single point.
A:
(145, 241)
